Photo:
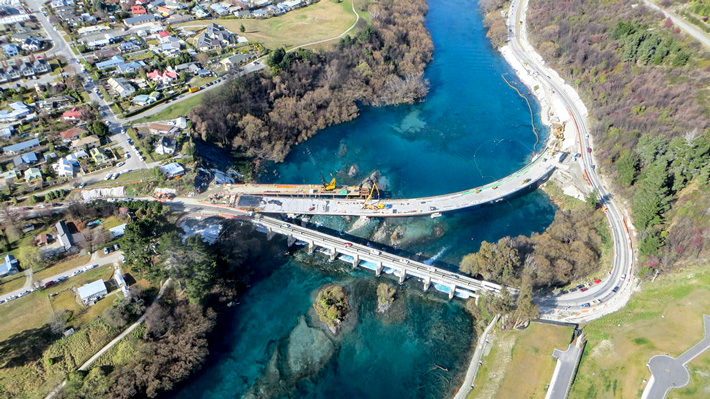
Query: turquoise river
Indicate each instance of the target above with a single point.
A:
(471, 129)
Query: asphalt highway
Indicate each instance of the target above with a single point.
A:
(623, 253)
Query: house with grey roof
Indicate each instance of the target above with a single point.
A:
(89, 293)
(64, 236)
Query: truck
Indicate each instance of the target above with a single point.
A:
(193, 89)
(562, 157)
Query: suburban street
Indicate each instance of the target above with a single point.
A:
(111, 258)
(559, 308)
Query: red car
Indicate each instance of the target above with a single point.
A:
(589, 150)
(597, 281)
(348, 244)
(583, 289)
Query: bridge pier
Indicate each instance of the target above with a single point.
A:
(269, 233)
(311, 247)
(402, 275)
(427, 283)
(333, 253)
(452, 292)
(356, 260)
(378, 269)
(290, 240)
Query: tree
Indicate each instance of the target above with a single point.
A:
(242, 28)
(496, 262)
(99, 129)
(30, 257)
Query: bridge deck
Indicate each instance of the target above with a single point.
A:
(539, 169)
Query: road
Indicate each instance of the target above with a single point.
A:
(668, 373)
(565, 369)
(557, 308)
(95, 259)
(689, 28)
(528, 177)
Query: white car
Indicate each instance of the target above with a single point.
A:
(120, 164)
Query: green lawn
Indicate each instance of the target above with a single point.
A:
(175, 110)
(520, 364)
(30, 311)
(318, 21)
(12, 283)
(665, 317)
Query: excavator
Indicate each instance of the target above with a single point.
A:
(374, 189)
(330, 186)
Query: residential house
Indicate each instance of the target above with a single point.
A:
(64, 236)
(97, 154)
(235, 60)
(139, 20)
(164, 77)
(11, 49)
(179, 18)
(49, 156)
(108, 52)
(6, 132)
(74, 133)
(138, 10)
(56, 102)
(9, 177)
(31, 44)
(41, 66)
(8, 266)
(164, 11)
(17, 112)
(33, 176)
(88, 141)
(20, 147)
(121, 87)
(200, 12)
(165, 146)
(219, 9)
(27, 70)
(3, 76)
(129, 46)
(27, 158)
(129, 67)
(92, 292)
(73, 114)
(64, 168)
(111, 63)
(172, 170)
(142, 99)
(118, 231)
(42, 240)
(160, 128)
(214, 37)
(260, 14)
(13, 72)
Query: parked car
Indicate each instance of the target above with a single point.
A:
(106, 251)
(118, 165)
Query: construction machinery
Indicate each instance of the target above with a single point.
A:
(330, 186)
(365, 204)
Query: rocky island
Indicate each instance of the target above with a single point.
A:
(332, 306)
(385, 297)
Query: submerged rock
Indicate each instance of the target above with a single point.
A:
(309, 349)
(354, 170)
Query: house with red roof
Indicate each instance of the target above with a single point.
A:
(138, 10)
(164, 77)
(73, 114)
(163, 34)
(72, 134)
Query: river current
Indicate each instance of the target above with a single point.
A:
(471, 129)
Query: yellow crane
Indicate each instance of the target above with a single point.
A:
(374, 188)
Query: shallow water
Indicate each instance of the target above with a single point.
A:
(471, 129)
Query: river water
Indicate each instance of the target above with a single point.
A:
(472, 129)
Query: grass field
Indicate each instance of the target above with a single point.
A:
(318, 21)
(665, 317)
(520, 363)
(13, 284)
(30, 311)
(175, 110)
(35, 309)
